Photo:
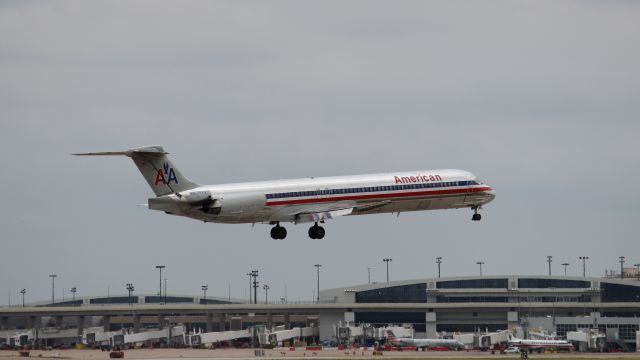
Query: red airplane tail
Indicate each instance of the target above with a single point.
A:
(390, 336)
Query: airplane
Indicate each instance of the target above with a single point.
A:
(423, 343)
(540, 345)
(309, 200)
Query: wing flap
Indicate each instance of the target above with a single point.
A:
(305, 217)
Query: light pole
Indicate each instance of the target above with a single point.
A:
(204, 290)
(130, 290)
(480, 263)
(637, 271)
(160, 267)
(621, 267)
(249, 274)
(439, 261)
(549, 257)
(73, 291)
(565, 268)
(368, 275)
(23, 291)
(53, 287)
(318, 277)
(584, 265)
(266, 293)
(165, 291)
(254, 273)
(387, 260)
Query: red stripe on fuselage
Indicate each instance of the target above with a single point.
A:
(378, 196)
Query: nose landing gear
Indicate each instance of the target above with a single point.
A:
(316, 232)
(476, 216)
(278, 232)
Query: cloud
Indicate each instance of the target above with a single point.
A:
(538, 99)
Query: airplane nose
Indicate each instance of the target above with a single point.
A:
(491, 193)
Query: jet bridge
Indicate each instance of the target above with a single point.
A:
(134, 339)
(275, 338)
(591, 340)
(16, 337)
(94, 337)
(200, 339)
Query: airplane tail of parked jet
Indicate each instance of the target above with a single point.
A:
(155, 166)
(391, 337)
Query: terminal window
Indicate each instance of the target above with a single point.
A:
(473, 284)
(552, 283)
(416, 293)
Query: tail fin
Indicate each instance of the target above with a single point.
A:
(155, 166)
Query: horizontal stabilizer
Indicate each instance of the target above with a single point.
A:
(143, 150)
(156, 168)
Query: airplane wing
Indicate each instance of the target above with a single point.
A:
(320, 212)
(317, 216)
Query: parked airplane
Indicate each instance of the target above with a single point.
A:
(304, 200)
(540, 344)
(423, 343)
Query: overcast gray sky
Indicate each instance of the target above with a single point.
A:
(540, 99)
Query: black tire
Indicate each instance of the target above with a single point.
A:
(320, 232)
(283, 233)
(275, 233)
(313, 232)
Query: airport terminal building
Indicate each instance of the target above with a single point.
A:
(467, 304)
(557, 304)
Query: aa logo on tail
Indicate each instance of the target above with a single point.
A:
(166, 175)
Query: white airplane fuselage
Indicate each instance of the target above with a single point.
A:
(284, 200)
(540, 344)
(428, 343)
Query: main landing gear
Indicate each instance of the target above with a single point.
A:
(316, 232)
(278, 232)
(476, 216)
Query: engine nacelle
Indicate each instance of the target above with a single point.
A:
(237, 203)
(205, 201)
(202, 200)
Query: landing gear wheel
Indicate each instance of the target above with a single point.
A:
(278, 232)
(316, 232)
(476, 216)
